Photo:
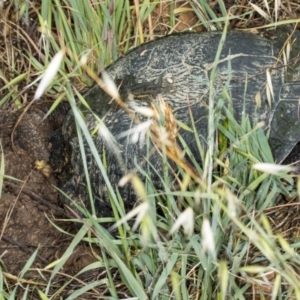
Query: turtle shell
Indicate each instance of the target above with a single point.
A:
(179, 68)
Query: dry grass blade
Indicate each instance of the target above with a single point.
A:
(269, 87)
(276, 8)
(261, 12)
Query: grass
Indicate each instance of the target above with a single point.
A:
(230, 249)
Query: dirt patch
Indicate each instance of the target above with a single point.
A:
(26, 206)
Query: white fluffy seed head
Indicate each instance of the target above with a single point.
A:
(272, 168)
(49, 73)
(110, 85)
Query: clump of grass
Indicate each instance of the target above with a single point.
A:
(227, 234)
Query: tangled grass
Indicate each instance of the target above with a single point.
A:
(218, 236)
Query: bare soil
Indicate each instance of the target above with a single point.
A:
(29, 200)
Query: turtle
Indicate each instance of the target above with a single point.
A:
(178, 69)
